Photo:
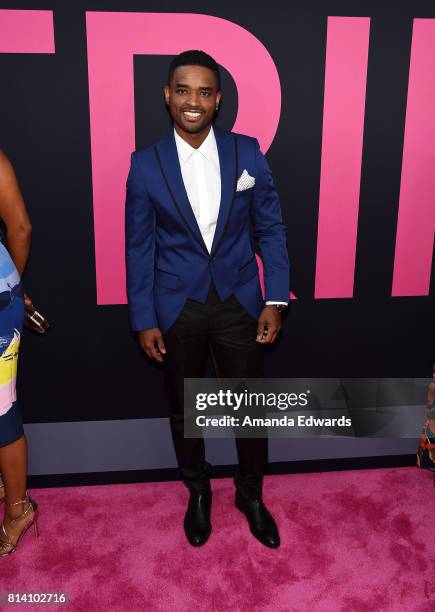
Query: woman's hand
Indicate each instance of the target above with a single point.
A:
(27, 301)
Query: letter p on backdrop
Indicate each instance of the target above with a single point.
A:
(113, 39)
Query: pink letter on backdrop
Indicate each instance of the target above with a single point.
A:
(113, 39)
(416, 220)
(342, 140)
(26, 31)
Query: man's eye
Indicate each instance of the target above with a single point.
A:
(181, 91)
(205, 93)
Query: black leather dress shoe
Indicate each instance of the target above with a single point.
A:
(261, 522)
(197, 526)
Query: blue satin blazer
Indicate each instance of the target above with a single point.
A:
(167, 260)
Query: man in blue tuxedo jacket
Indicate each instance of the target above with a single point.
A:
(197, 201)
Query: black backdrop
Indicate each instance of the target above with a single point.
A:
(89, 366)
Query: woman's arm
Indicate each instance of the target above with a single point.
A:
(14, 214)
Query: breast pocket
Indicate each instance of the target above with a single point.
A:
(244, 193)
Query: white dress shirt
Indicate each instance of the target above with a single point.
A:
(201, 174)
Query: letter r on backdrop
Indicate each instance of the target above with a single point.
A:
(113, 39)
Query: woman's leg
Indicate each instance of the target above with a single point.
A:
(13, 466)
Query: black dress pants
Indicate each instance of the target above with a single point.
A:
(230, 332)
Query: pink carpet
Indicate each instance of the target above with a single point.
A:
(351, 541)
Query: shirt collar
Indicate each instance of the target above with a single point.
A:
(208, 148)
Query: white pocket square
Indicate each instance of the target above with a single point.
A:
(245, 181)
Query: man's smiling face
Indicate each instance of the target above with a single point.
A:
(192, 97)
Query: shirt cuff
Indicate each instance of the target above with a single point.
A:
(283, 303)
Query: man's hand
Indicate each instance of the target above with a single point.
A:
(269, 324)
(151, 340)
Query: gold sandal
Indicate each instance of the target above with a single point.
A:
(7, 547)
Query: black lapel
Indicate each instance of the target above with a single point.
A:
(228, 162)
(167, 158)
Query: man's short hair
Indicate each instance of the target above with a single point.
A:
(194, 58)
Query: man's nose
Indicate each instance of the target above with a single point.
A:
(194, 99)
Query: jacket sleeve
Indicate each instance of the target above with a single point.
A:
(270, 232)
(140, 249)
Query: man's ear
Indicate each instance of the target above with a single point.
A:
(166, 93)
(218, 98)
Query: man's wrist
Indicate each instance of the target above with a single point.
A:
(280, 306)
